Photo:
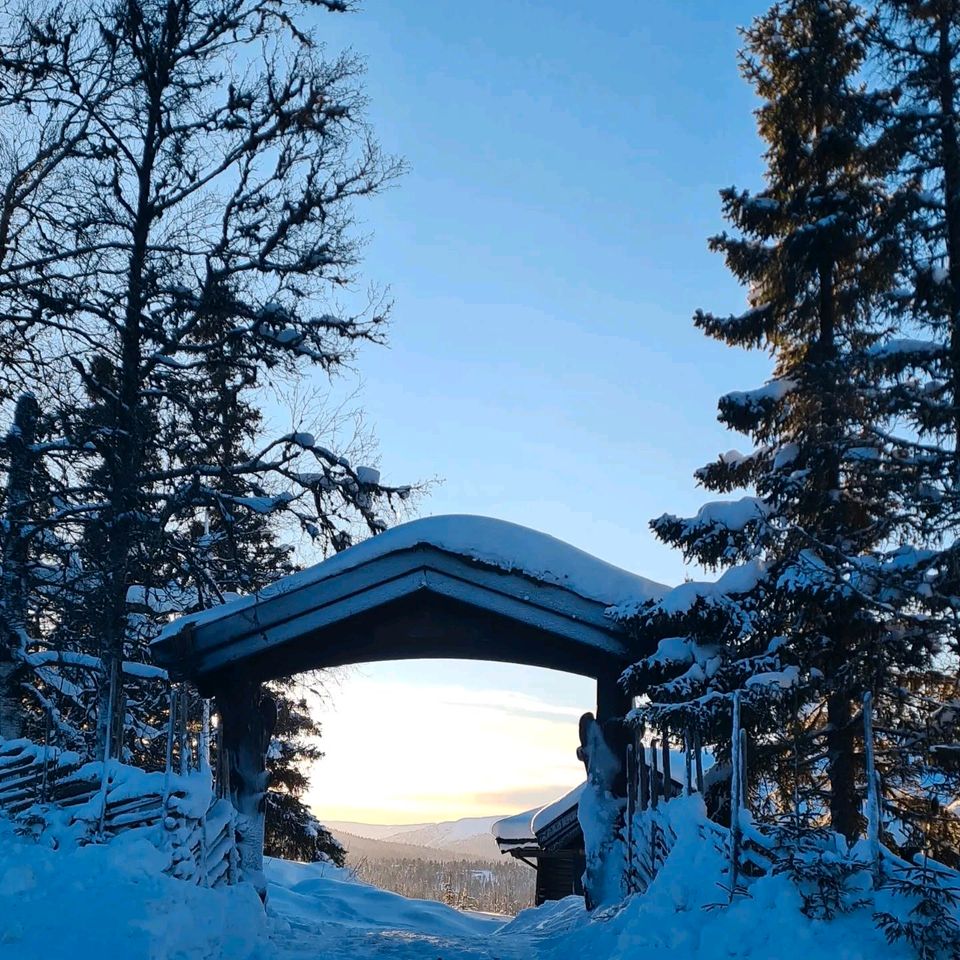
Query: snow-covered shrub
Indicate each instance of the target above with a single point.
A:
(929, 923)
(828, 878)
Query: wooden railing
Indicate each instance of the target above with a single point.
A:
(193, 826)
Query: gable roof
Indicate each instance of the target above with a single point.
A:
(451, 586)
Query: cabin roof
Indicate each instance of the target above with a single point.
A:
(449, 586)
(520, 832)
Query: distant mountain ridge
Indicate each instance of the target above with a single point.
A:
(469, 838)
(372, 831)
(360, 849)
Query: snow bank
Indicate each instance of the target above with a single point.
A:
(326, 896)
(674, 918)
(497, 543)
(113, 901)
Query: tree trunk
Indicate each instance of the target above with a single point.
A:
(841, 767)
(13, 586)
(247, 720)
(126, 465)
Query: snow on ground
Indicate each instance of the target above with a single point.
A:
(316, 911)
(112, 902)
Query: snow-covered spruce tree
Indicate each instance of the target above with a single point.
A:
(800, 621)
(47, 677)
(292, 831)
(919, 368)
(15, 560)
(203, 220)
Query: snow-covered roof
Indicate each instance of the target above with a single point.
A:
(498, 543)
(520, 830)
(450, 586)
(546, 815)
(516, 831)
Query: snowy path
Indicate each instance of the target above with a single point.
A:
(297, 941)
(315, 912)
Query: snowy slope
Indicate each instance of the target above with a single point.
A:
(469, 836)
(363, 848)
(301, 893)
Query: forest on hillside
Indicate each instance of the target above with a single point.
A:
(491, 886)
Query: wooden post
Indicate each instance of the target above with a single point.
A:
(632, 778)
(612, 702)
(47, 752)
(744, 792)
(644, 772)
(698, 758)
(183, 729)
(873, 792)
(171, 735)
(203, 761)
(667, 776)
(654, 785)
(247, 720)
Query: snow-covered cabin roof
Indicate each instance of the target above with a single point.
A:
(448, 586)
(531, 830)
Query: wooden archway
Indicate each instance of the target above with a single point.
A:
(444, 587)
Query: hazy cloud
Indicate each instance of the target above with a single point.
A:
(520, 798)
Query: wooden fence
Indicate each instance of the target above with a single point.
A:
(198, 830)
(750, 851)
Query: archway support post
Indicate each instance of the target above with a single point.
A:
(247, 720)
(603, 804)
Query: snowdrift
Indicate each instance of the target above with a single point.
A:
(330, 896)
(687, 913)
(112, 900)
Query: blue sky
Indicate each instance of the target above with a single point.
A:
(545, 253)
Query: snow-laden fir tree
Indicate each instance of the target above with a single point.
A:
(292, 831)
(919, 368)
(804, 618)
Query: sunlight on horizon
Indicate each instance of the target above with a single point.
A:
(426, 741)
